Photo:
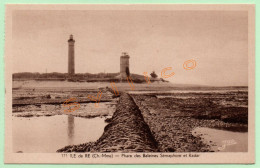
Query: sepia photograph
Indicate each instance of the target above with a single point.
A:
(129, 84)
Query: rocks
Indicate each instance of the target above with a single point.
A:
(172, 124)
(126, 132)
(48, 96)
(146, 123)
(108, 120)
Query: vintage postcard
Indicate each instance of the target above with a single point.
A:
(130, 84)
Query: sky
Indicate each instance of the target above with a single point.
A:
(154, 40)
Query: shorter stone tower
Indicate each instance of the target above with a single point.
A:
(71, 61)
(124, 66)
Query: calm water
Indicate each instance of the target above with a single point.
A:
(223, 141)
(48, 134)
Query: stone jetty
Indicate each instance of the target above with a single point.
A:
(126, 132)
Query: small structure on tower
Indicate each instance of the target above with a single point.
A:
(71, 57)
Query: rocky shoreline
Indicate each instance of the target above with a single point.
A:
(146, 123)
(172, 125)
(126, 132)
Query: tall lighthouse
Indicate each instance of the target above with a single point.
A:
(71, 60)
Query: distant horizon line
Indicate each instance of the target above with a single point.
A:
(195, 85)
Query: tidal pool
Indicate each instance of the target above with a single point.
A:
(48, 134)
(223, 141)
